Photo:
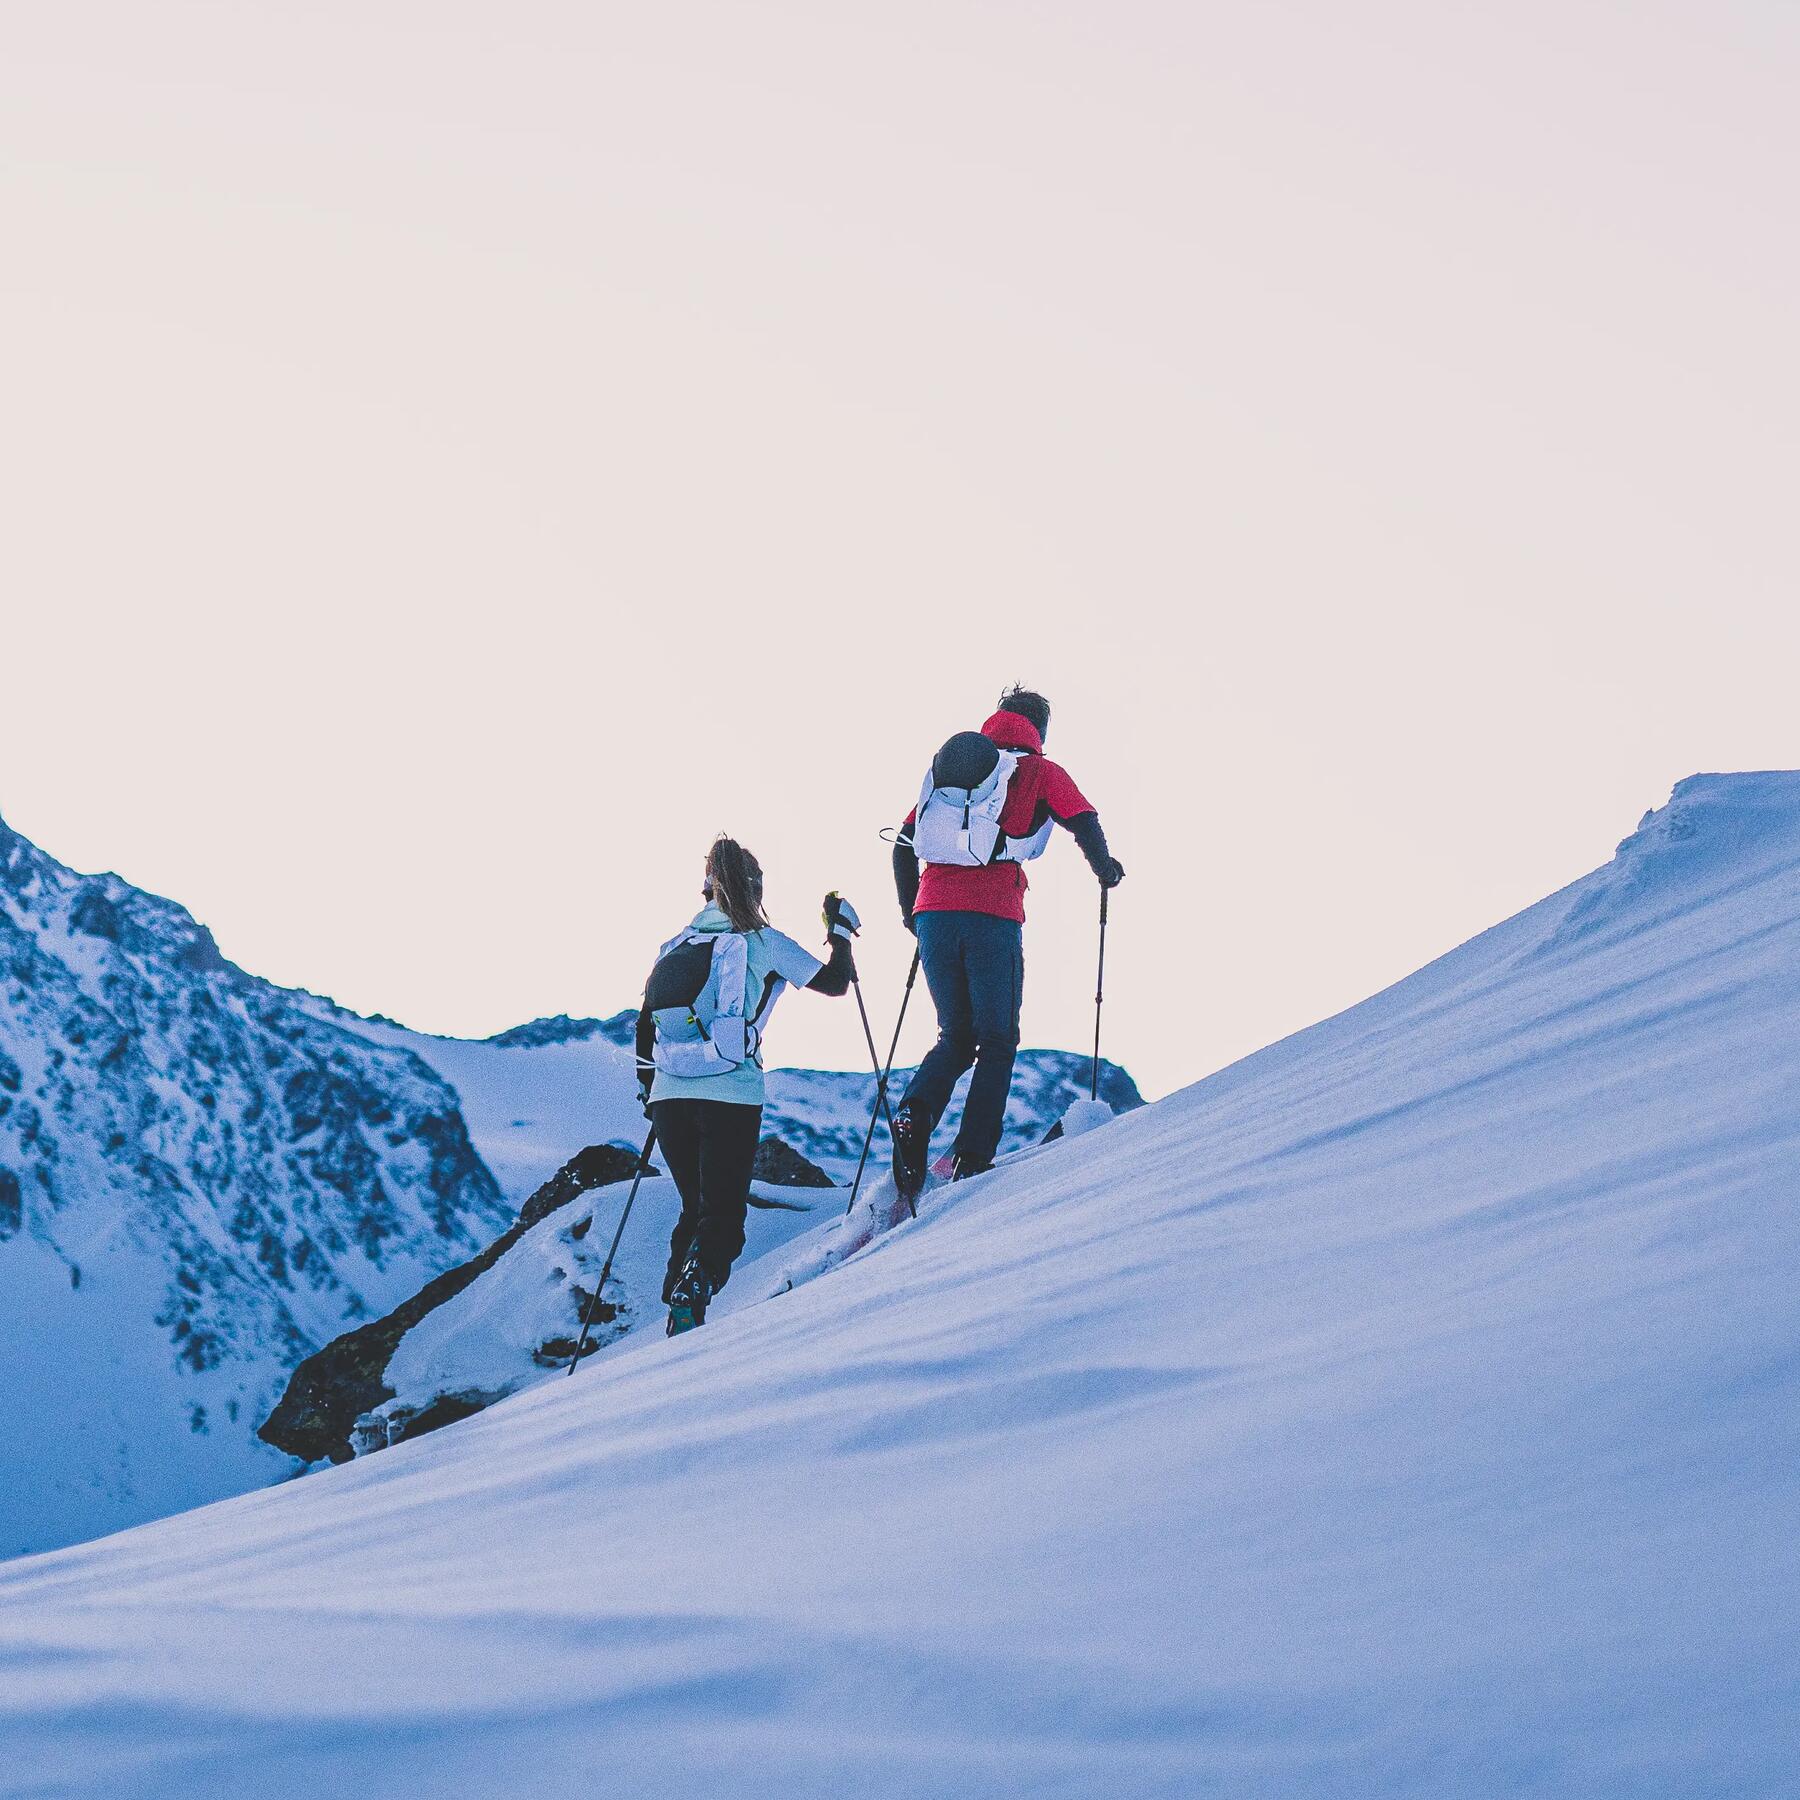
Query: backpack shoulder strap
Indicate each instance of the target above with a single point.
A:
(771, 982)
(730, 972)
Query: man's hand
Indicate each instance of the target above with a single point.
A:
(840, 916)
(1108, 870)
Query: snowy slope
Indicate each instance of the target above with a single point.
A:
(1410, 1409)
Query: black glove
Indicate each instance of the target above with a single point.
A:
(910, 921)
(1108, 870)
(840, 916)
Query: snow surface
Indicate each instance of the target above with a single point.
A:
(1409, 1409)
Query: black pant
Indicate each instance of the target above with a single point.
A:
(975, 967)
(710, 1147)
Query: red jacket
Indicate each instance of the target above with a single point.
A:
(1040, 789)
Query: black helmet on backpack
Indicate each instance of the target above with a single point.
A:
(965, 761)
(961, 803)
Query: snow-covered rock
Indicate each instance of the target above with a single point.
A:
(1082, 1116)
(329, 1391)
(1407, 1410)
(513, 1315)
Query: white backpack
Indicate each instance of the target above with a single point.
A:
(698, 1000)
(961, 825)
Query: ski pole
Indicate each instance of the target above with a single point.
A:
(643, 1169)
(881, 1083)
(1099, 996)
(881, 1099)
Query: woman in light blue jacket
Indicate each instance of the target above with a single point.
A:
(699, 1049)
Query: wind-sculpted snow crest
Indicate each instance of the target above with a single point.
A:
(1717, 832)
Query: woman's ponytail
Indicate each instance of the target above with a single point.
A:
(736, 878)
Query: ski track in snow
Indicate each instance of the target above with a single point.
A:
(1409, 1410)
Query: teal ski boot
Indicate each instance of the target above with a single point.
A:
(688, 1298)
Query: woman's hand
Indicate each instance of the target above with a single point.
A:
(840, 916)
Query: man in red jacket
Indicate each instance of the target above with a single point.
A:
(969, 921)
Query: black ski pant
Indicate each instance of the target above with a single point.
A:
(975, 967)
(710, 1149)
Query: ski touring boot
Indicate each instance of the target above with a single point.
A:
(912, 1146)
(962, 1166)
(688, 1297)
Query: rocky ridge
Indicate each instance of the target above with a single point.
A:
(201, 1180)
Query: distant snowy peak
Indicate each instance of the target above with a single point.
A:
(103, 908)
(202, 1178)
(561, 1029)
(235, 1089)
(824, 1113)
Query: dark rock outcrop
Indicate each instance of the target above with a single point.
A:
(332, 1389)
(329, 1392)
(781, 1165)
(596, 1166)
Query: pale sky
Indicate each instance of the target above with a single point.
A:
(456, 458)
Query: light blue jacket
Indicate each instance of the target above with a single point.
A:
(773, 962)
